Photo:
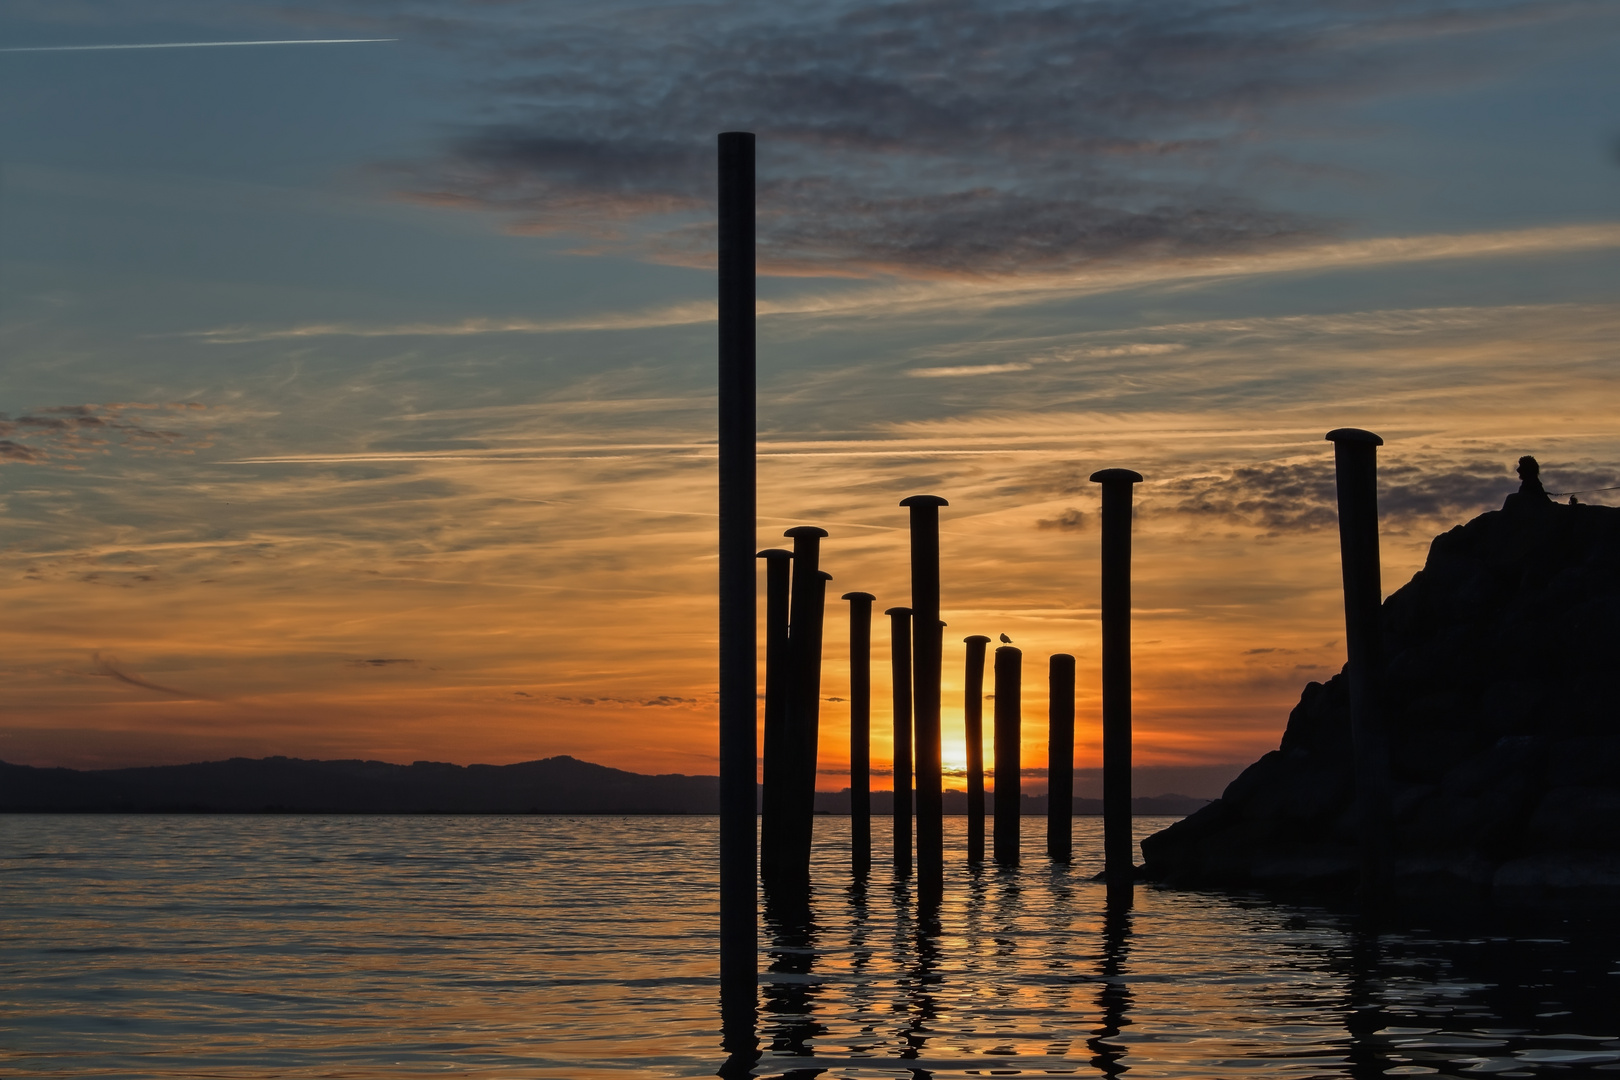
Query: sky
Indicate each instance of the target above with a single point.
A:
(357, 397)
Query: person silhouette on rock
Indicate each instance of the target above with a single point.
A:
(1531, 494)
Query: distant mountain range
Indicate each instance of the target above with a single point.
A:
(556, 785)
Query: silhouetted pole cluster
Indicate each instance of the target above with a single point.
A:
(1060, 760)
(927, 654)
(973, 734)
(1355, 459)
(860, 730)
(1119, 846)
(774, 814)
(900, 667)
(738, 648)
(1008, 750)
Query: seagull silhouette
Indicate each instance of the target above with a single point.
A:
(1005, 640)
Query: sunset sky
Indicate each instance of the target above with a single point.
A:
(359, 396)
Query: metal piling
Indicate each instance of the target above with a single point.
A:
(1008, 751)
(973, 735)
(777, 767)
(1119, 845)
(860, 731)
(1355, 460)
(1060, 760)
(804, 701)
(738, 651)
(900, 667)
(927, 656)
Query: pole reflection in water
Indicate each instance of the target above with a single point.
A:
(1114, 998)
(1027, 970)
(1364, 1016)
(791, 988)
(542, 946)
(916, 957)
(863, 994)
(739, 1041)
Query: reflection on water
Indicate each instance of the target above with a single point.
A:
(367, 947)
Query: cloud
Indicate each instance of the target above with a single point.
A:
(1071, 520)
(15, 451)
(380, 662)
(656, 702)
(188, 45)
(984, 294)
(1300, 496)
(931, 138)
(969, 369)
(67, 432)
(107, 666)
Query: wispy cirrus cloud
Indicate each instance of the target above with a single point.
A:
(968, 370)
(188, 45)
(983, 295)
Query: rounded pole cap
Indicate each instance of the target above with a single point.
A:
(774, 553)
(824, 575)
(898, 611)
(1010, 650)
(974, 638)
(860, 596)
(1116, 476)
(923, 500)
(805, 530)
(1353, 435)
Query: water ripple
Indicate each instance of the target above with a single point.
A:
(364, 947)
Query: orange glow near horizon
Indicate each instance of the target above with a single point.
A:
(487, 608)
(382, 424)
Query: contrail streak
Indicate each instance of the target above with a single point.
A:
(194, 44)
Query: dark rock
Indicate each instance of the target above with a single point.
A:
(1504, 728)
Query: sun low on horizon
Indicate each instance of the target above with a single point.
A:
(359, 394)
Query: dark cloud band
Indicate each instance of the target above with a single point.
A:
(929, 137)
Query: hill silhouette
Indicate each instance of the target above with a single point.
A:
(555, 785)
(1499, 694)
(243, 785)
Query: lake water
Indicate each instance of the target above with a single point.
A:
(158, 946)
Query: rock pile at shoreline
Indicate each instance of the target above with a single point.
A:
(1500, 695)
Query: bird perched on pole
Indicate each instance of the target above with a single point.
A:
(1005, 640)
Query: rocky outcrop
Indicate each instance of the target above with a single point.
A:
(1502, 702)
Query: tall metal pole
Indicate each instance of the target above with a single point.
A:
(1119, 846)
(900, 667)
(778, 755)
(1355, 459)
(738, 650)
(1060, 760)
(927, 655)
(804, 700)
(973, 735)
(860, 730)
(1008, 750)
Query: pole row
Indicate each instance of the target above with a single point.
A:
(795, 599)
